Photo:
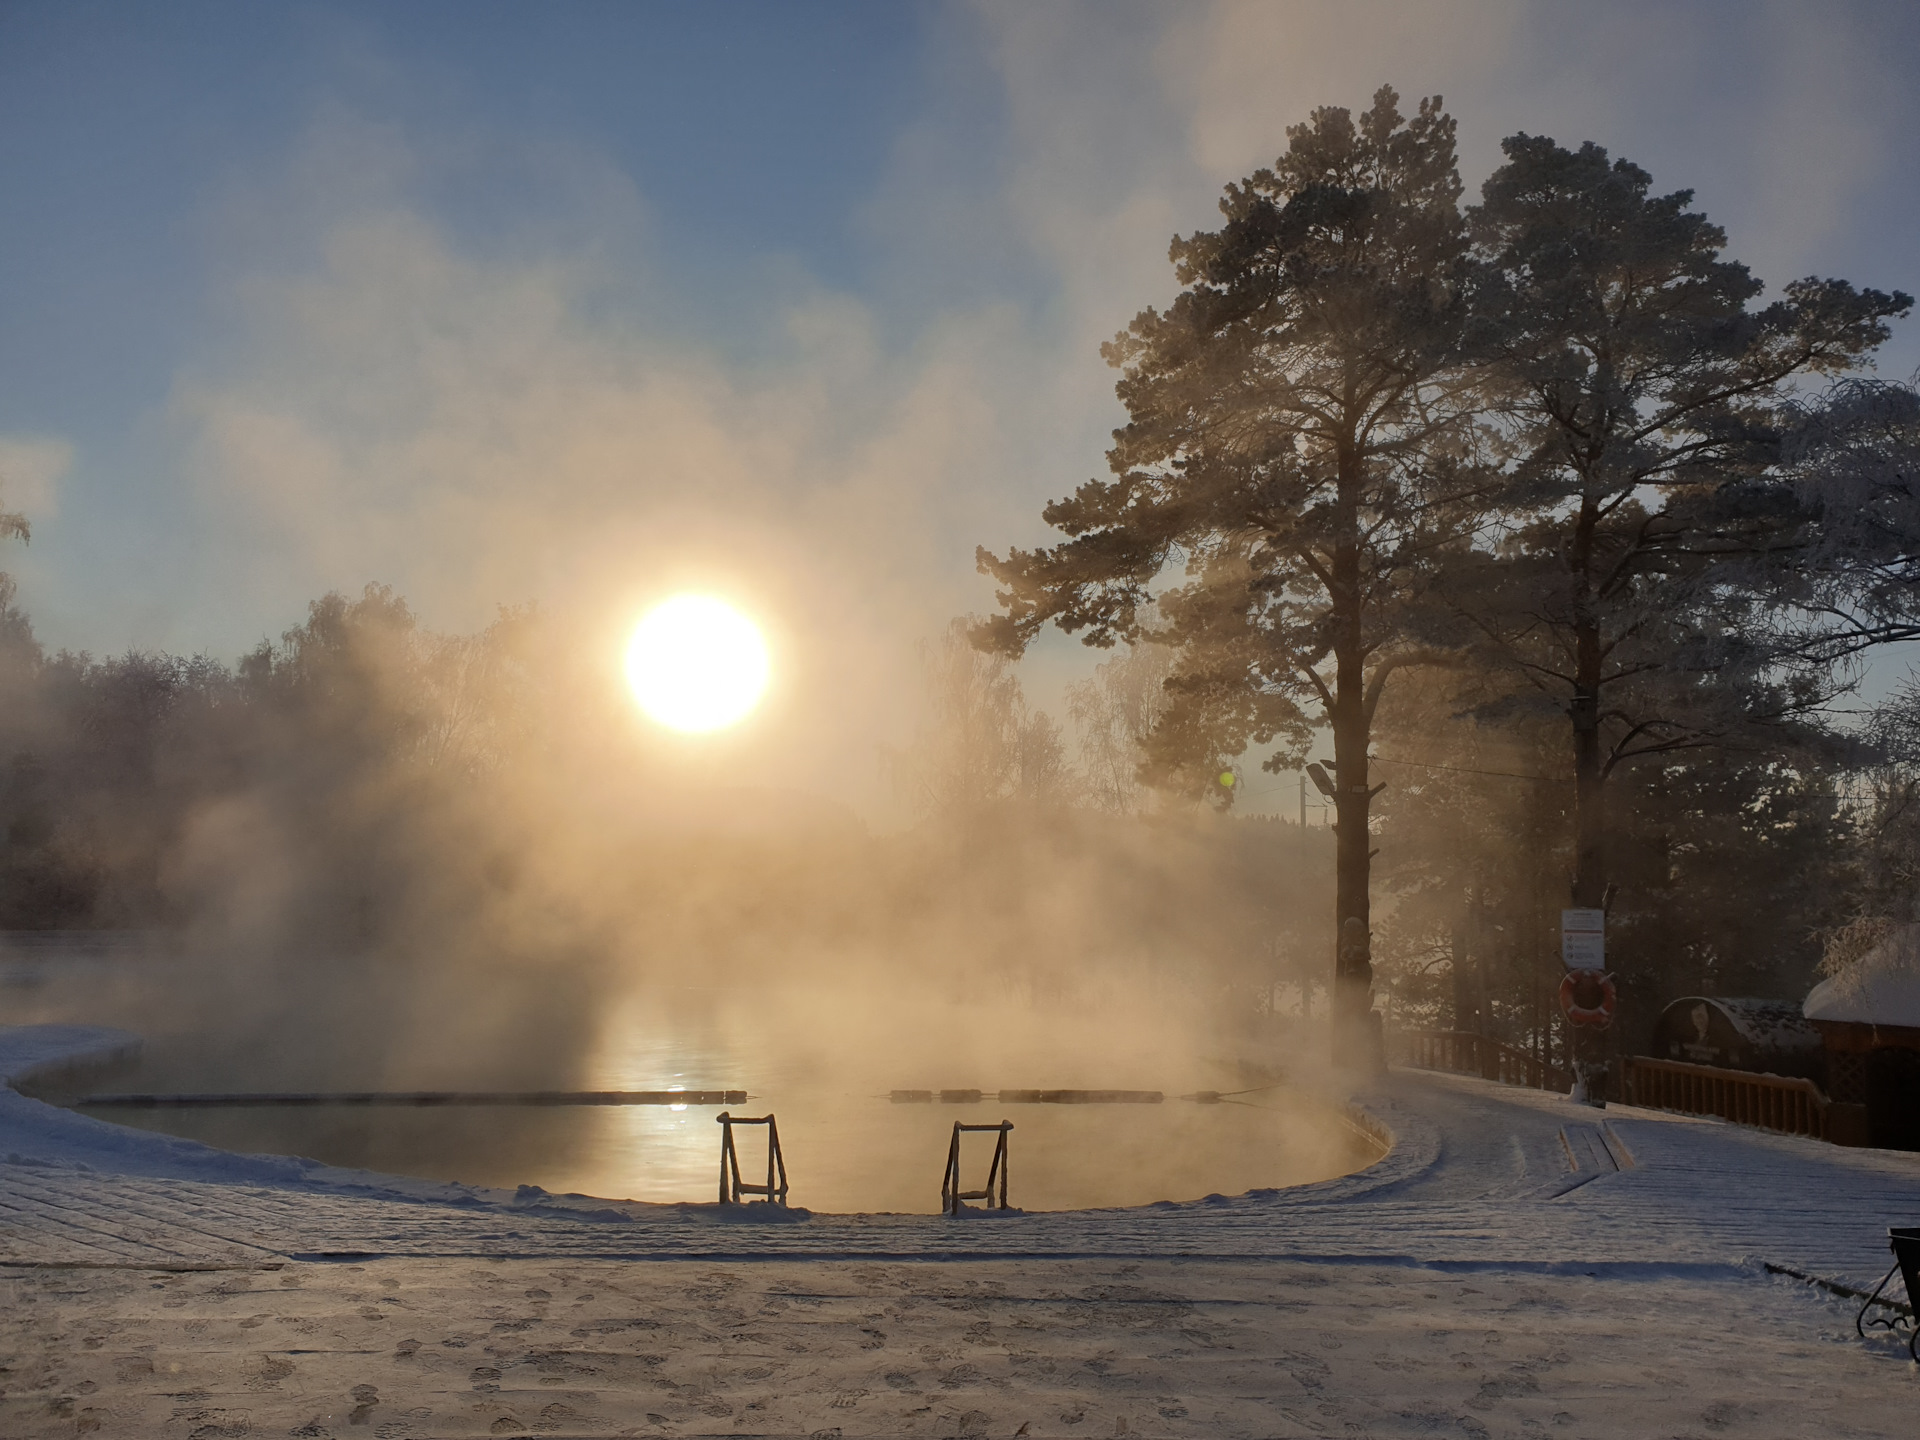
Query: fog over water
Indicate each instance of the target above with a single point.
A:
(822, 1056)
(380, 859)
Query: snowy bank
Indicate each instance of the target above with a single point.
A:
(36, 1134)
(29, 1052)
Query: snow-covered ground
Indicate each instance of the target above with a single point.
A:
(1514, 1266)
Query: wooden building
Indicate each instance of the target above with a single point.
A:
(1869, 1022)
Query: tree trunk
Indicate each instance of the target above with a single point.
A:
(1356, 1041)
(1469, 980)
(1353, 1037)
(1589, 798)
(1589, 812)
(1586, 1048)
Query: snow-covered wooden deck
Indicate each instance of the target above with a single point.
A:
(1480, 1175)
(1515, 1267)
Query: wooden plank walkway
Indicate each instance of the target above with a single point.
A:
(1483, 1176)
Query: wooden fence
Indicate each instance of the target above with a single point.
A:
(1464, 1053)
(1771, 1102)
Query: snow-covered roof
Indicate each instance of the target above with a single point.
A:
(1880, 988)
(1767, 1025)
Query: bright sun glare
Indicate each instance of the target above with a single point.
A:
(696, 664)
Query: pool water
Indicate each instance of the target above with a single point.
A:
(844, 1152)
(822, 1062)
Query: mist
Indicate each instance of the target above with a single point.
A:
(374, 857)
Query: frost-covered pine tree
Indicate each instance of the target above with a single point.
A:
(1298, 422)
(1647, 396)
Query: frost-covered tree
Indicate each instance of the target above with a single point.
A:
(1730, 864)
(16, 635)
(1855, 458)
(978, 742)
(1647, 398)
(1297, 427)
(1114, 714)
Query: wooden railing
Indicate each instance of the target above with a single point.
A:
(1468, 1054)
(1771, 1102)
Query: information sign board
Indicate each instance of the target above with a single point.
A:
(1583, 939)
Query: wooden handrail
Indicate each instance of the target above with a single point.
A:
(1785, 1103)
(733, 1190)
(1464, 1053)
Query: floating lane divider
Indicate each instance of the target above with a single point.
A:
(1029, 1097)
(427, 1097)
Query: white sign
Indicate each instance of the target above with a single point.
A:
(1583, 939)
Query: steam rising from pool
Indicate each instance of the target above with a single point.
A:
(823, 1050)
(391, 895)
(848, 1146)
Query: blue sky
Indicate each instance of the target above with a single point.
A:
(570, 302)
(751, 129)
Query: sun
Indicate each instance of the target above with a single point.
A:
(696, 664)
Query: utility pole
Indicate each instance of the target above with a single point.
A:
(1303, 799)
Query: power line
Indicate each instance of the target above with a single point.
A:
(1464, 769)
(1853, 795)
(1421, 765)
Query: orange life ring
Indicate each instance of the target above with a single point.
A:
(1579, 986)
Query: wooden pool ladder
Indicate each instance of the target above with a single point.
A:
(731, 1186)
(950, 1192)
